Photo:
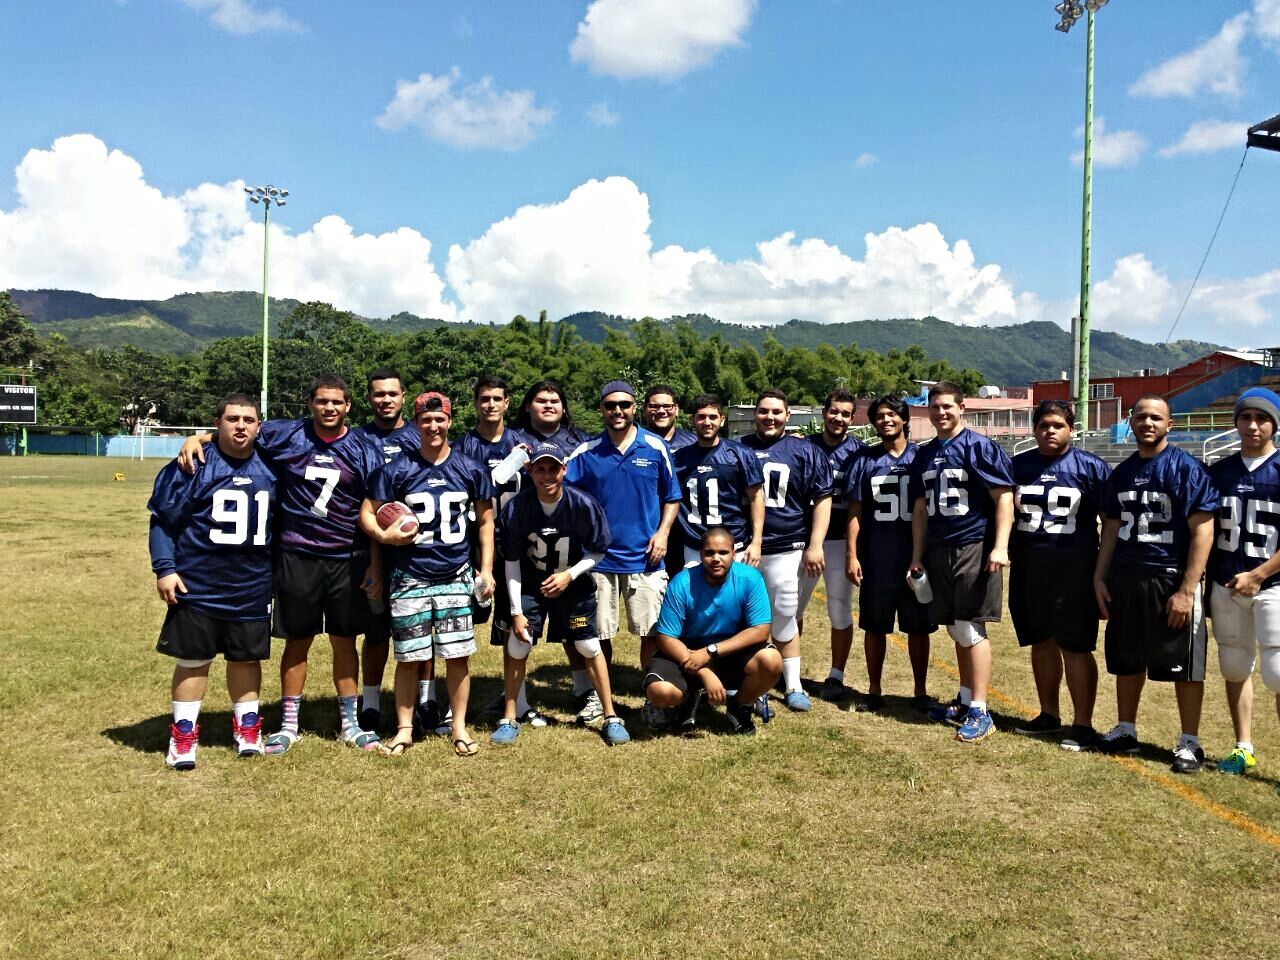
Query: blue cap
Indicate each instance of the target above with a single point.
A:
(547, 450)
(1260, 398)
(616, 386)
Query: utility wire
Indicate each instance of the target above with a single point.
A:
(1205, 259)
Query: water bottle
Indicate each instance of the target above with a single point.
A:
(919, 583)
(477, 590)
(510, 465)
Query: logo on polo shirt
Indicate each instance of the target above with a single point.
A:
(644, 462)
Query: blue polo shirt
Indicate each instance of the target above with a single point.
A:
(632, 485)
(698, 614)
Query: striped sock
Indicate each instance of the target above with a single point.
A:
(347, 712)
(291, 706)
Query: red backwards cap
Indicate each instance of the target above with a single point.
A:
(420, 403)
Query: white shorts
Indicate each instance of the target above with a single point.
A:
(641, 593)
(1243, 626)
(839, 589)
(781, 572)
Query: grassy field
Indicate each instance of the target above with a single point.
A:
(831, 834)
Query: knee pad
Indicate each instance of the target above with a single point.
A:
(966, 633)
(193, 664)
(1271, 668)
(590, 649)
(783, 628)
(517, 648)
(1236, 663)
(839, 613)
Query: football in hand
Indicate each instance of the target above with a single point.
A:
(397, 514)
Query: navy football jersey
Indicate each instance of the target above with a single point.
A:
(1056, 505)
(795, 475)
(680, 439)
(477, 448)
(1152, 498)
(955, 478)
(213, 528)
(839, 457)
(714, 482)
(550, 543)
(1248, 528)
(322, 484)
(568, 440)
(395, 441)
(441, 495)
(880, 482)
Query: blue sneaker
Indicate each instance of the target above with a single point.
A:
(762, 708)
(615, 731)
(952, 713)
(977, 726)
(798, 701)
(506, 732)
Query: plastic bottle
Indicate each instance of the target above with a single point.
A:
(477, 591)
(510, 465)
(919, 582)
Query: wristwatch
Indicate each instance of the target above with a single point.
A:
(714, 650)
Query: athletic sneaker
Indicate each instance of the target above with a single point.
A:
(614, 731)
(762, 708)
(952, 713)
(281, 741)
(183, 737)
(1080, 739)
(871, 703)
(833, 690)
(657, 718)
(1187, 759)
(1114, 742)
(506, 732)
(426, 717)
(798, 701)
(1237, 762)
(977, 726)
(1039, 725)
(532, 718)
(590, 709)
(370, 719)
(740, 715)
(247, 735)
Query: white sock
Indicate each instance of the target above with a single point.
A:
(965, 695)
(373, 696)
(791, 673)
(243, 707)
(1244, 745)
(1189, 740)
(185, 710)
(1124, 727)
(835, 674)
(522, 700)
(978, 705)
(431, 689)
(581, 682)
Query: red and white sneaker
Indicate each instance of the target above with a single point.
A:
(183, 737)
(247, 735)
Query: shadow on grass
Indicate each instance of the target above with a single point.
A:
(318, 717)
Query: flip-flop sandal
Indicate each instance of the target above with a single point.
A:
(280, 741)
(465, 748)
(395, 748)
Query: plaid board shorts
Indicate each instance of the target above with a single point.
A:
(431, 619)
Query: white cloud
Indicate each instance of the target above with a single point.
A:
(476, 115)
(658, 38)
(866, 160)
(593, 251)
(1238, 301)
(1266, 20)
(1215, 65)
(244, 16)
(86, 219)
(601, 115)
(1136, 295)
(1118, 148)
(1206, 136)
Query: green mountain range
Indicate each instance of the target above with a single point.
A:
(1008, 355)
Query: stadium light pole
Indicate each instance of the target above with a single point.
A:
(266, 196)
(1070, 11)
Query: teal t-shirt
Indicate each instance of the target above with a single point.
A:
(700, 614)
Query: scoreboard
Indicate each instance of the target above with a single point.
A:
(17, 403)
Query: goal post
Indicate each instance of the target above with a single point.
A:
(154, 440)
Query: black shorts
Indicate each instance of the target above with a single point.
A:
(319, 595)
(674, 561)
(498, 613)
(879, 603)
(730, 668)
(1052, 601)
(962, 588)
(1139, 638)
(188, 634)
(568, 618)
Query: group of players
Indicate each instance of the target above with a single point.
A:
(713, 548)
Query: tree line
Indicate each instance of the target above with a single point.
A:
(108, 389)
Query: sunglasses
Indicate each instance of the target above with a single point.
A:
(619, 404)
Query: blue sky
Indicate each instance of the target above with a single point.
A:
(751, 159)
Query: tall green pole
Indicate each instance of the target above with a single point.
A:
(266, 234)
(1086, 236)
